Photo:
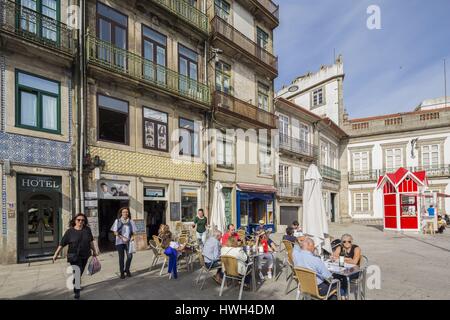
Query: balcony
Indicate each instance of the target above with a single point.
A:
(265, 10)
(291, 190)
(298, 147)
(239, 109)
(131, 65)
(235, 43)
(434, 171)
(363, 176)
(330, 173)
(272, 8)
(190, 14)
(22, 23)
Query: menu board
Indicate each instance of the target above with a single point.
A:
(228, 204)
(175, 211)
(140, 227)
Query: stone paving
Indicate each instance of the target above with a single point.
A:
(412, 267)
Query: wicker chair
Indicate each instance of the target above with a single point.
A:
(307, 285)
(230, 271)
(204, 269)
(158, 253)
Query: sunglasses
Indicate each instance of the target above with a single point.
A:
(346, 242)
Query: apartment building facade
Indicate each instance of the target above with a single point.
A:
(37, 139)
(243, 67)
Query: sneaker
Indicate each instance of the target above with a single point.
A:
(269, 275)
(261, 276)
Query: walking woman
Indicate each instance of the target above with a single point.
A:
(124, 230)
(81, 243)
(200, 224)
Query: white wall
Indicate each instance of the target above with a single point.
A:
(243, 21)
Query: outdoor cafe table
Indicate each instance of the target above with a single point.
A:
(347, 271)
(253, 263)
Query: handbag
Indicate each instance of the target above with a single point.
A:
(132, 247)
(94, 266)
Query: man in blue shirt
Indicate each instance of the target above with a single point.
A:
(211, 253)
(431, 211)
(304, 258)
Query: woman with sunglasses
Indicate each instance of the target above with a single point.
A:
(352, 252)
(81, 244)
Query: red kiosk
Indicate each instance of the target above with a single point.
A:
(402, 192)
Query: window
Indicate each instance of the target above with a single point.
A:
(225, 150)
(283, 175)
(304, 132)
(394, 158)
(430, 156)
(223, 77)
(112, 119)
(37, 103)
(44, 26)
(263, 96)
(333, 157)
(318, 98)
(189, 138)
(188, 68)
(189, 203)
(361, 161)
(265, 155)
(326, 202)
(361, 202)
(155, 129)
(324, 154)
(112, 28)
(222, 9)
(154, 50)
(284, 128)
(262, 38)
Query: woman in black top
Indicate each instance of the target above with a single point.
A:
(81, 242)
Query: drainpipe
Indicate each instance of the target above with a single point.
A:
(82, 70)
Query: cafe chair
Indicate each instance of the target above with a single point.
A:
(359, 284)
(158, 253)
(242, 235)
(288, 247)
(157, 240)
(307, 285)
(204, 269)
(291, 275)
(230, 271)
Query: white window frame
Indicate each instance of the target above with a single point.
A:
(394, 164)
(359, 208)
(430, 155)
(358, 161)
(318, 97)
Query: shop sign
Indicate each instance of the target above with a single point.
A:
(39, 183)
(113, 190)
(154, 192)
(91, 204)
(91, 195)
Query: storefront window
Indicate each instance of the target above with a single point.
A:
(409, 206)
(244, 213)
(189, 204)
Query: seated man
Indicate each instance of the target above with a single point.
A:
(231, 248)
(304, 258)
(230, 233)
(211, 253)
(289, 236)
(260, 228)
(268, 247)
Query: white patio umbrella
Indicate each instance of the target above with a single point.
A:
(218, 220)
(315, 222)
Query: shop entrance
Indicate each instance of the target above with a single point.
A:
(108, 211)
(155, 213)
(39, 207)
(333, 207)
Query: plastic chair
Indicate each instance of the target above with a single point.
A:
(359, 284)
(204, 269)
(230, 271)
(307, 285)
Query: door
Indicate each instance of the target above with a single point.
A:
(333, 207)
(288, 215)
(155, 213)
(40, 226)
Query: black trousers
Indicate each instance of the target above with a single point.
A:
(122, 249)
(81, 264)
(323, 290)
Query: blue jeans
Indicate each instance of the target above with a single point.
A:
(122, 249)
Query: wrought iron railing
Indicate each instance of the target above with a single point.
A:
(298, 146)
(434, 171)
(330, 173)
(186, 11)
(291, 190)
(124, 62)
(35, 27)
(365, 175)
(230, 104)
(226, 30)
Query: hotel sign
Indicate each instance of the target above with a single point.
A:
(39, 183)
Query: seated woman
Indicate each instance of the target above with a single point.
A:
(268, 247)
(352, 254)
(289, 236)
(234, 250)
(442, 224)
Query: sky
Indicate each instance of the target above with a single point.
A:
(386, 71)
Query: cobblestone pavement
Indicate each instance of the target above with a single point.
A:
(412, 267)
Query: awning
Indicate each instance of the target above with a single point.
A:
(257, 188)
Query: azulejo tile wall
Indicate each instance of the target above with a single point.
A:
(147, 165)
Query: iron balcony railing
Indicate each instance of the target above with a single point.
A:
(270, 6)
(223, 28)
(229, 104)
(35, 27)
(187, 12)
(365, 175)
(298, 146)
(124, 62)
(330, 173)
(290, 190)
(434, 171)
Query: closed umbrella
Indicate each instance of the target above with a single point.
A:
(218, 209)
(315, 222)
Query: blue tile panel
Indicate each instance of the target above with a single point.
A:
(4, 221)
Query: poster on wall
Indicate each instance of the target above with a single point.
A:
(113, 190)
